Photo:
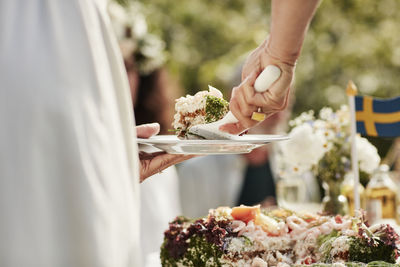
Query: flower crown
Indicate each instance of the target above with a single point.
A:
(130, 27)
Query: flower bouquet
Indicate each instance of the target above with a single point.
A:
(320, 145)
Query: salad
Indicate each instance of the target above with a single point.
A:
(250, 236)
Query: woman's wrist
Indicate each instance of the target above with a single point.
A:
(281, 53)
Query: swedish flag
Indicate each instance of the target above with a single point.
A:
(378, 117)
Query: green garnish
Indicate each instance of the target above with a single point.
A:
(324, 238)
(325, 245)
(200, 253)
(362, 252)
(216, 108)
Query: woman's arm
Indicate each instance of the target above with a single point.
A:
(289, 23)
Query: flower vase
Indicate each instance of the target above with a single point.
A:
(334, 202)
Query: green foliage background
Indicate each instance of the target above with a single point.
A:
(207, 40)
(348, 39)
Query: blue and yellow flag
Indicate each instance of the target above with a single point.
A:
(378, 117)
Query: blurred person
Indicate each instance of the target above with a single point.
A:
(259, 179)
(153, 96)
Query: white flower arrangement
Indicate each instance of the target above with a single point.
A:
(321, 145)
(304, 149)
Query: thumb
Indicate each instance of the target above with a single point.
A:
(147, 130)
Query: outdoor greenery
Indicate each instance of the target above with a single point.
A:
(348, 39)
(206, 40)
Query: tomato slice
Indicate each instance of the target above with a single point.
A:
(245, 213)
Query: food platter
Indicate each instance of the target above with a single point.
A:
(239, 145)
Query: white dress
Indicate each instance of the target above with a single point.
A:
(68, 160)
(160, 204)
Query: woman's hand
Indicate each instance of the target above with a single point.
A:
(245, 100)
(289, 23)
(152, 163)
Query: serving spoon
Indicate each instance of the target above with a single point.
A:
(267, 77)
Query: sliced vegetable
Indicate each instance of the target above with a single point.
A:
(245, 213)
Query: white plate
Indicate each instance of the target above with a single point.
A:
(242, 144)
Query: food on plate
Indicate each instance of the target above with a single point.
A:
(250, 236)
(201, 108)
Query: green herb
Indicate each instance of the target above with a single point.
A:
(362, 252)
(216, 108)
(200, 253)
(325, 245)
(355, 264)
(166, 259)
(324, 238)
